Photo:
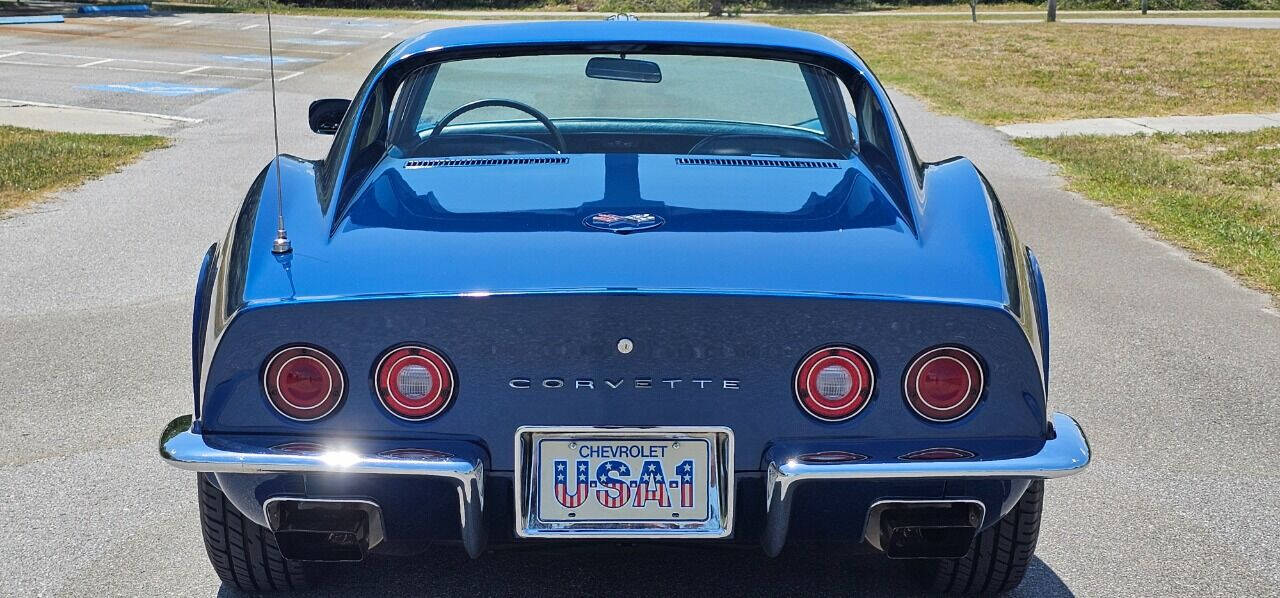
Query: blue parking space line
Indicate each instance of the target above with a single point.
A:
(158, 88)
(24, 20)
(113, 8)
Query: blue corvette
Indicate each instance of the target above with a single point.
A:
(623, 282)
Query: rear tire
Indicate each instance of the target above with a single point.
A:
(243, 553)
(999, 557)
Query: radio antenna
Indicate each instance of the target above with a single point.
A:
(281, 244)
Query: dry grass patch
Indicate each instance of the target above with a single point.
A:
(1216, 194)
(34, 163)
(1030, 72)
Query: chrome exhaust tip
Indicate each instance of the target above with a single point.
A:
(312, 529)
(929, 529)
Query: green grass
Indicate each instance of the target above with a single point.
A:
(1216, 194)
(35, 163)
(1029, 72)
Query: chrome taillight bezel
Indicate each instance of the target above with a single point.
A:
(973, 395)
(275, 365)
(853, 402)
(444, 382)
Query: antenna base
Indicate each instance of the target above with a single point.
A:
(281, 245)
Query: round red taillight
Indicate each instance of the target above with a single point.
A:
(943, 384)
(303, 383)
(414, 382)
(834, 383)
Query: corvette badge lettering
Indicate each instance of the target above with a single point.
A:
(616, 383)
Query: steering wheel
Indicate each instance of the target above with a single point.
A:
(556, 137)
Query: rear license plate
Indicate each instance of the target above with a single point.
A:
(660, 482)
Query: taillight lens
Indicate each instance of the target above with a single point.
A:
(303, 383)
(834, 383)
(414, 382)
(944, 384)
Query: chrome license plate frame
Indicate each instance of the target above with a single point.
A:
(719, 473)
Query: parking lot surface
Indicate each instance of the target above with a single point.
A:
(1170, 365)
(169, 63)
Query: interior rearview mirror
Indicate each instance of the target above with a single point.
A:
(325, 115)
(624, 69)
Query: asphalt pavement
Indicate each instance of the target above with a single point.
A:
(1171, 365)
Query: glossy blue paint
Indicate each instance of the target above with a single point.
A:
(754, 340)
(855, 243)
(487, 265)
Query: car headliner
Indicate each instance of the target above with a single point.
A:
(614, 33)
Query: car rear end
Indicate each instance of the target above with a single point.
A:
(668, 415)
(760, 327)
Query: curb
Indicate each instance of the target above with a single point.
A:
(31, 19)
(1144, 125)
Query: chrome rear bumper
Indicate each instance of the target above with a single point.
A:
(185, 449)
(1066, 453)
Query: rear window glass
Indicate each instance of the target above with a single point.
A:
(712, 88)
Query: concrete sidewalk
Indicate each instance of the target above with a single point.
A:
(77, 119)
(1229, 21)
(1145, 125)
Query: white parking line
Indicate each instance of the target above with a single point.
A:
(388, 34)
(149, 114)
(338, 31)
(132, 70)
(123, 64)
(9, 54)
(139, 60)
(264, 48)
(355, 33)
(298, 29)
(287, 77)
